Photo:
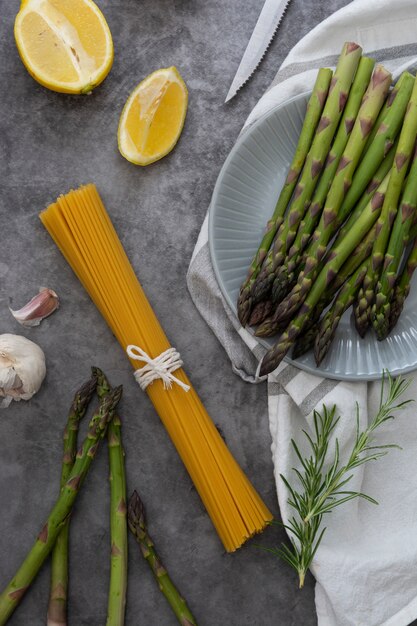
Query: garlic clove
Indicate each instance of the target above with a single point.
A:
(5, 402)
(22, 368)
(9, 380)
(40, 306)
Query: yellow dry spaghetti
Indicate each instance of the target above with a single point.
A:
(81, 228)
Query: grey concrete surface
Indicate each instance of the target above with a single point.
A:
(50, 142)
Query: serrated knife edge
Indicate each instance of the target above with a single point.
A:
(261, 38)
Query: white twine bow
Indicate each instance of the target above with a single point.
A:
(161, 367)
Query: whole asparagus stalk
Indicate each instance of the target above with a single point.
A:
(118, 514)
(330, 321)
(57, 608)
(332, 112)
(381, 310)
(306, 339)
(15, 590)
(339, 254)
(138, 526)
(331, 217)
(402, 288)
(366, 297)
(314, 109)
(284, 275)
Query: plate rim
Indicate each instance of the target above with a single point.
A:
(232, 305)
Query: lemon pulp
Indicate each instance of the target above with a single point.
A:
(66, 45)
(153, 117)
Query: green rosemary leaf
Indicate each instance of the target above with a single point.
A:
(321, 481)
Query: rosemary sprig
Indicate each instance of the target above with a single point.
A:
(323, 487)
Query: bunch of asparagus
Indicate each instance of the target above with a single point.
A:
(348, 208)
(54, 536)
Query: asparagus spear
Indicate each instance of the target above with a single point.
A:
(15, 590)
(295, 264)
(305, 341)
(263, 309)
(402, 288)
(383, 141)
(366, 297)
(283, 276)
(137, 523)
(332, 215)
(377, 179)
(339, 254)
(371, 172)
(314, 110)
(260, 311)
(57, 609)
(118, 514)
(387, 104)
(332, 112)
(330, 321)
(381, 310)
(362, 251)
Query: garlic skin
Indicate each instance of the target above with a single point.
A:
(22, 369)
(42, 305)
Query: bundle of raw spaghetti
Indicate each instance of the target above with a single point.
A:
(81, 228)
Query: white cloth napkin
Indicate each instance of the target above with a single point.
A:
(366, 566)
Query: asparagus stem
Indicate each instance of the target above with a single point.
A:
(332, 215)
(332, 112)
(57, 608)
(292, 268)
(306, 339)
(314, 110)
(15, 590)
(330, 321)
(118, 514)
(377, 154)
(402, 288)
(381, 310)
(360, 253)
(389, 210)
(284, 273)
(383, 141)
(336, 259)
(138, 526)
(377, 179)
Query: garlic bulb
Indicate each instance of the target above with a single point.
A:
(22, 368)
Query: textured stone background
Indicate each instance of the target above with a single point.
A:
(50, 142)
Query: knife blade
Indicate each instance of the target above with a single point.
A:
(262, 36)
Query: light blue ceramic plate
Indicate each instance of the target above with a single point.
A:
(244, 198)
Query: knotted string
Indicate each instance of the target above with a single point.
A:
(161, 367)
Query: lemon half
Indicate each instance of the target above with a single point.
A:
(153, 117)
(66, 45)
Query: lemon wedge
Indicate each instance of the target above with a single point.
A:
(66, 45)
(153, 117)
